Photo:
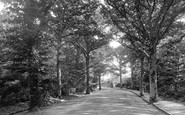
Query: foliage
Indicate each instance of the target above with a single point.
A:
(170, 71)
(89, 36)
(27, 51)
(42, 41)
(73, 69)
(144, 24)
(119, 55)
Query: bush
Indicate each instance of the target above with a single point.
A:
(93, 86)
(9, 92)
(119, 85)
(127, 83)
(80, 88)
(10, 99)
(65, 90)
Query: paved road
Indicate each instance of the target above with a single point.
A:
(105, 102)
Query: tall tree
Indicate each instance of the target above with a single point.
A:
(98, 63)
(170, 68)
(59, 26)
(26, 38)
(145, 24)
(120, 55)
(88, 36)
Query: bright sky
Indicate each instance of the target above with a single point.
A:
(1, 6)
(114, 44)
(102, 1)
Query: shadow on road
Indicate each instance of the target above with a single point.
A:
(108, 101)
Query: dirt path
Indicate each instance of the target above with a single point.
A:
(105, 102)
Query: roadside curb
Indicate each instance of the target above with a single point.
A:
(154, 105)
(18, 111)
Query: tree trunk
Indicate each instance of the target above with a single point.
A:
(77, 57)
(33, 84)
(120, 73)
(87, 74)
(132, 75)
(99, 82)
(153, 76)
(59, 76)
(141, 77)
(34, 92)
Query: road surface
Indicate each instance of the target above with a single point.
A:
(108, 101)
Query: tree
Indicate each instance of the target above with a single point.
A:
(56, 31)
(88, 36)
(98, 63)
(25, 38)
(72, 69)
(142, 58)
(170, 68)
(60, 28)
(119, 54)
(145, 24)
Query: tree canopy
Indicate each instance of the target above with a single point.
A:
(48, 47)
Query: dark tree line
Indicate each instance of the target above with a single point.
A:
(47, 48)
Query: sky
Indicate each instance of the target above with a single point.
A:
(1, 6)
(114, 44)
(102, 1)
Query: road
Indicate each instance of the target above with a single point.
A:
(105, 102)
